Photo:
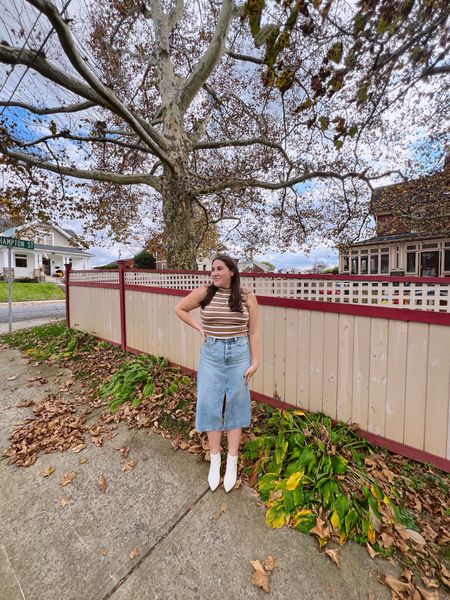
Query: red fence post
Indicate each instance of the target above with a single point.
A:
(68, 268)
(123, 324)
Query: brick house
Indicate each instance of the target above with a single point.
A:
(412, 231)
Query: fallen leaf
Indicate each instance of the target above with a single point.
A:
(25, 404)
(407, 575)
(101, 482)
(410, 534)
(430, 583)
(334, 555)
(398, 586)
(428, 595)
(129, 465)
(103, 551)
(223, 508)
(11, 378)
(261, 580)
(78, 448)
(371, 551)
(134, 552)
(374, 520)
(386, 540)
(270, 563)
(47, 471)
(64, 502)
(323, 533)
(83, 460)
(124, 450)
(445, 572)
(429, 532)
(67, 478)
(256, 564)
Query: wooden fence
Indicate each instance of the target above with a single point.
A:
(385, 368)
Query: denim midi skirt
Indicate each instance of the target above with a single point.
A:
(220, 375)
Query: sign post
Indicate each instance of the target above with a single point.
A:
(13, 243)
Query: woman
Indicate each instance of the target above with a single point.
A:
(229, 325)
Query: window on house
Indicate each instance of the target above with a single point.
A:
(345, 263)
(384, 263)
(21, 260)
(447, 260)
(374, 264)
(355, 266)
(410, 262)
(364, 265)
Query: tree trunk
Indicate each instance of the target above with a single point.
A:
(179, 226)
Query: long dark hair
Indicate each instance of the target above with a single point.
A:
(235, 301)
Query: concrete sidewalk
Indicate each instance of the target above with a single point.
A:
(188, 548)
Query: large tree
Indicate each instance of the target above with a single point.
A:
(242, 111)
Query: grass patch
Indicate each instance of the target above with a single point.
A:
(26, 292)
(51, 341)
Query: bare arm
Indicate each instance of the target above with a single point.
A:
(253, 332)
(188, 303)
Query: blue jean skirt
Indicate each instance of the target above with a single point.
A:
(220, 375)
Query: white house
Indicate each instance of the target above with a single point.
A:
(53, 248)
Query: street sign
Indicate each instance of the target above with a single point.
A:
(10, 242)
(14, 243)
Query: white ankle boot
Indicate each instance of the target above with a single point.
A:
(229, 480)
(214, 471)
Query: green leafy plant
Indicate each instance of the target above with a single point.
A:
(309, 471)
(142, 376)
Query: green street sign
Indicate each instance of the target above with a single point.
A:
(14, 243)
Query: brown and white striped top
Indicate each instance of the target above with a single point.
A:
(219, 321)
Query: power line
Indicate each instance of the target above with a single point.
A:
(20, 53)
(36, 55)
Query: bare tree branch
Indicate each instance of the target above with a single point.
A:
(209, 59)
(250, 142)
(267, 185)
(245, 57)
(65, 134)
(93, 175)
(176, 14)
(68, 108)
(148, 134)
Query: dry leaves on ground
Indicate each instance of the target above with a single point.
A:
(101, 483)
(261, 575)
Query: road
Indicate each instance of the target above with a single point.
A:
(27, 311)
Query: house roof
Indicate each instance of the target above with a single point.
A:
(62, 249)
(400, 237)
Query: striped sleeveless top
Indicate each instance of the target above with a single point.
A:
(219, 321)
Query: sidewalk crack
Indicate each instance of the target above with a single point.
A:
(152, 548)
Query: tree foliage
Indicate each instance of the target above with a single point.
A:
(144, 260)
(265, 122)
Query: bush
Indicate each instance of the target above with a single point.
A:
(24, 280)
(112, 265)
